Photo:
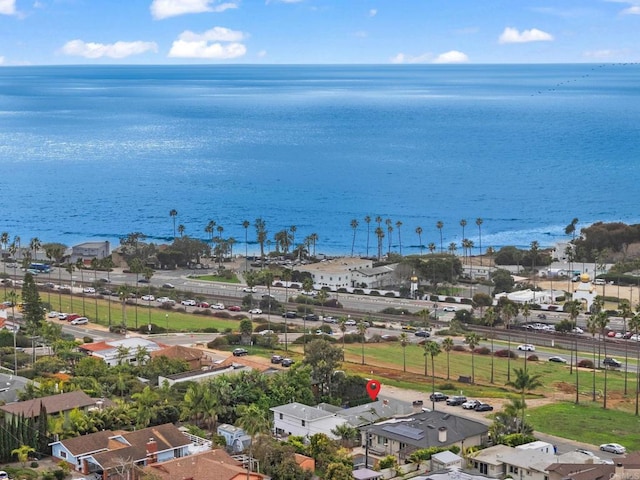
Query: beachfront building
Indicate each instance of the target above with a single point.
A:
(542, 297)
(348, 272)
(87, 251)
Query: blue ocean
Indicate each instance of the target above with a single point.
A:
(96, 152)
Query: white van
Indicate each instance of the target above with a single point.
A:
(599, 281)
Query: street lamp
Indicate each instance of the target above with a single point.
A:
(166, 316)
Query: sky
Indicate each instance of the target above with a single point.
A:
(63, 32)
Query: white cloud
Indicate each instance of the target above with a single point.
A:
(7, 7)
(452, 56)
(283, 1)
(79, 48)
(1, 60)
(216, 34)
(161, 9)
(262, 53)
(203, 49)
(404, 58)
(373, 12)
(217, 43)
(632, 10)
(512, 35)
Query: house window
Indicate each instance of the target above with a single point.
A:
(483, 468)
(304, 423)
(281, 416)
(63, 454)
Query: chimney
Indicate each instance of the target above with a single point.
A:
(442, 434)
(417, 406)
(619, 472)
(152, 451)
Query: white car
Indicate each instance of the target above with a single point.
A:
(80, 321)
(255, 311)
(310, 293)
(148, 298)
(266, 332)
(53, 314)
(62, 316)
(218, 306)
(449, 309)
(613, 448)
(350, 322)
(577, 330)
(249, 289)
(89, 290)
(527, 347)
(188, 303)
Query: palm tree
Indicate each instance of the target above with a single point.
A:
(419, 232)
(433, 349)
(526, 312)
(398, 225)
(380, 234)
(524, 382)
(572, 307)
(268, 280)
(634, 326)
(439, 226)
(342, 325)
(367, 220)
(245, 225)
(463, 223)
(70, 268)
(508, 312)
(479, 224)
(147, 273)
(181, 230)
(602, 320)
(314, 238)
(286, 278)
(473, 340)
(254, 421)
(625, 312)
(389, 230)
(261, 236)
(35, 245)
(447, 346)
(362, 331)
(173, 213)
(404, 341)
(123, 294)
(535, 246)
(293, 229)
(22, 453)
(95, 263)
(592, 328)
(490, 318)
(354, 225)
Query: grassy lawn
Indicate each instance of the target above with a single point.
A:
(216, 278)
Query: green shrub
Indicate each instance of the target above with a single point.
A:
(218, 342)
(87, 339)
(34, 464)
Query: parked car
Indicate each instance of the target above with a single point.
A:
(611, 362)
(483, 407)
(235, 308)
(255, 311)
(471, 404)
(62, 316)
(438, 397)
(80, 321)
(72, 316)
(240, 352)
(350, 322)
(148, 298)
(143, 280)
(88, 290)
(312, 317)
(249, 289)
(557, 359)
(168, 285)
(329, 319)
(188, 303)
(527, 347)
(276, 359)
(422, 333)
(310, 293)
(290, 314)
(53, 314)
(203, 305)
(456, 400)
(287, 362)
(266, 332)
(409, 328)
(218, 306)
(449, 309)
(613, 448)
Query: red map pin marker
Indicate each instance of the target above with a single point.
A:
(373, 388)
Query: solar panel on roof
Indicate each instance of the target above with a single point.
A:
(405, 430)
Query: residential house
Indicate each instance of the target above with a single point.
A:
(89, 250)
(305, 463)
(625, 468)
(54, 404)
(235, 437)
(445, 460)
(303, 420)
(127, 350)
(452, 474)
(213, 464)
(336, 273)
(401, 436)
(194, 357)
(229, 365)
(108, 454)
(374, 277)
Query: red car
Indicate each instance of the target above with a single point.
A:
(203, 305)
(72, 316)
(234, 308)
